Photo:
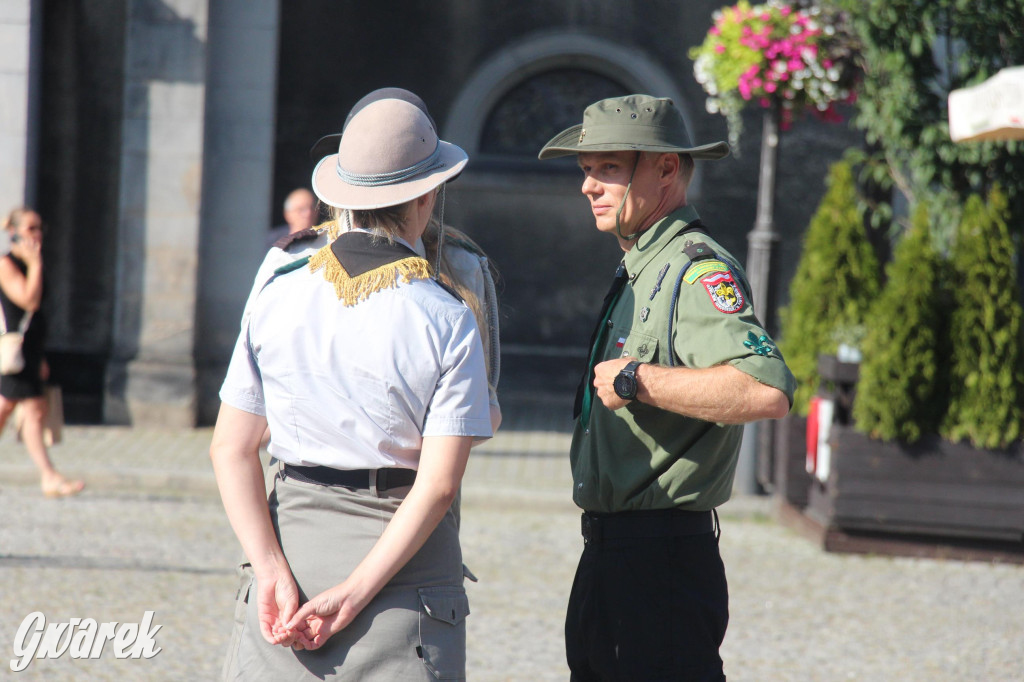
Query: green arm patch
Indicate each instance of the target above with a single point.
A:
(702, 268)
(761, 345)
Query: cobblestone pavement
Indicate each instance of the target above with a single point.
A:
(149, 534)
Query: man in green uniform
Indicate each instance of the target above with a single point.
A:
(678, 363)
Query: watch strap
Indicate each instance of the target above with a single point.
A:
(631, 366)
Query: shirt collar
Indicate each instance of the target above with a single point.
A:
(657, 237)
(418, 247)
(360, 251)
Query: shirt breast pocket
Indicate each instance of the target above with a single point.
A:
(643, 347)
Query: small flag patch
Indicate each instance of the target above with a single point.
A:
(621, 342)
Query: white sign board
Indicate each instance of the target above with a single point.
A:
(993, 110)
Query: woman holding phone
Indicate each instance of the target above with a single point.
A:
(21, 298)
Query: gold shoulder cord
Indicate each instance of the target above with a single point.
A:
(352, 290)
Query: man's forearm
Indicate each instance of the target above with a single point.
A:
(721, 394)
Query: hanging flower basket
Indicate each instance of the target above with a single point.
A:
(776, 55)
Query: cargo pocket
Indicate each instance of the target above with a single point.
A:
(246, 579)
(624, 342)
(643, 347)
(443, 631)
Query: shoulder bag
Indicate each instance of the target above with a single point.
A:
(12, 360)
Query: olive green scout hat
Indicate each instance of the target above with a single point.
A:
(631, 123)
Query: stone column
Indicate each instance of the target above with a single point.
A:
(237, 179)
(19, 77)
(151, 377)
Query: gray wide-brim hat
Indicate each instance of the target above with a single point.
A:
(631, 123)
(328, 144)
(388, 154)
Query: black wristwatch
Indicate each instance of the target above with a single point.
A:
(625, 381)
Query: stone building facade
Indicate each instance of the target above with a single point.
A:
(158, 138)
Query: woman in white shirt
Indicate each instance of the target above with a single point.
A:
(462, 261)
(371, 376)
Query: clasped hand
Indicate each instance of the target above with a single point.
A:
(309, 627)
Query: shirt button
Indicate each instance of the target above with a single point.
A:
(579, 486)
(586, 432)
(609, 323)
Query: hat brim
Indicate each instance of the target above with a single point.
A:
(326, 145)
(567, 142)
(334, 191)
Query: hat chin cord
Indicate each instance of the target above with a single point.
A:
(440, 234)
(622, 204)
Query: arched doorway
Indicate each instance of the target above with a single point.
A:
(530, 215)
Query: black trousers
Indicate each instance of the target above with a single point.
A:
(646, 609)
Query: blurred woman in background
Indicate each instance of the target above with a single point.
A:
(21, 296)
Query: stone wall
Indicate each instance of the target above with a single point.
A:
(237, 179)
(18, 91)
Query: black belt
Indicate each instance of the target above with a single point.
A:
(363, 479)
(660, 523)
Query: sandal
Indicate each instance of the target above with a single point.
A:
(63, 488)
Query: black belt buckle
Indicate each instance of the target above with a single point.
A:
(389, 478)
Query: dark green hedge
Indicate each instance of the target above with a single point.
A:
(834, 285)
(987, 360)
(902, 391)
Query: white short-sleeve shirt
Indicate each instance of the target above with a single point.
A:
(358, 387)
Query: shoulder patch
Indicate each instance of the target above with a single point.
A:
(698, 270)
(725, 293)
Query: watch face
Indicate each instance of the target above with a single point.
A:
(625, 386)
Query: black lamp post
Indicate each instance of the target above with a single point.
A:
(755, 454)
(762, 239)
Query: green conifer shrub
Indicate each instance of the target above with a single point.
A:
(834, 284)
(902, 391)
(987, 361)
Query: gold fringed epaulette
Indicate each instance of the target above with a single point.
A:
(332, 227)
(352, 290)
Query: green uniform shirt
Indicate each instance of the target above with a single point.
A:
(642, 457)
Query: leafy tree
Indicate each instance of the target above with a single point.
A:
(901, 394)
(987, 363)
(834, 285)
(914, 53)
